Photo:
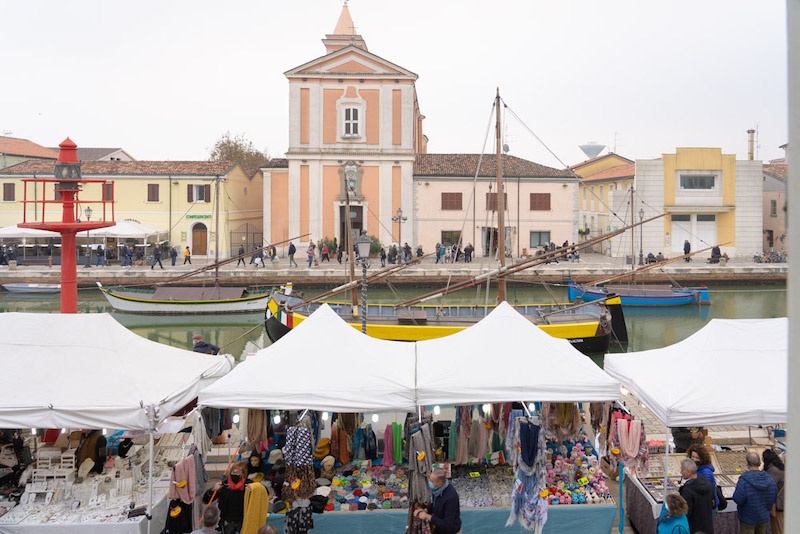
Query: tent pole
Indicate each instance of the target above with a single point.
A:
(150, 485)
(621, 467)
(667, 436)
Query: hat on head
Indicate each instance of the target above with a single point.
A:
(328, 461)
(274, 456)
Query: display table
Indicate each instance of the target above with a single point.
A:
(643, 510)
(136, 525)
(586, 519)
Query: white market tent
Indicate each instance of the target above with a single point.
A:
(89, 371)
(503, 358)
(127, 229)
(361, 374)
(14, 231)
(731, 372)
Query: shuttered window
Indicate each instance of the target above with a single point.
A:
(198, 193)
(9, 193)
(540, 201)
(108, 192)
(491, 201)
(451, 201)
(152, 193)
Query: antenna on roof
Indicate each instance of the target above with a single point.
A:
(592, 149)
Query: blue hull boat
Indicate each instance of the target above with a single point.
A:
(642, 295)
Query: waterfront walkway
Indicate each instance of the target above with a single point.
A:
(591, 267)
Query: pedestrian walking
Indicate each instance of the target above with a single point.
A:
(241, 256)
(310, 253)
(383, 257)
(173, 254)
(687, 248)
(292, 252)
(100, 256)
(156, 257)
(187, 256)
(754, 496)
(325, 253)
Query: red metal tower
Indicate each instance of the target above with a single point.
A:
(67, 184)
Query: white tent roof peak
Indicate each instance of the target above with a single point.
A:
(377, 375)
(505, 357)
(730, 372)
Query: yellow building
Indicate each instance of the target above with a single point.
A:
(179, 197)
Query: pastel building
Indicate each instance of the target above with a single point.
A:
(356, 136)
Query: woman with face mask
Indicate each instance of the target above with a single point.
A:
(230, 496)
(702, 459)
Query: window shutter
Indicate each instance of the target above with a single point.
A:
(189, 193)
(207, 192)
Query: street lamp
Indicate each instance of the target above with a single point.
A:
(363, 244)
(399, 219)
(88, 212)
(641, 218)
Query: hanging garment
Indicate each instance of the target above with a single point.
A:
(525, 446)
(257, 428)
(397, 443)
(179, 517)
(297, 450)
(183, 482)
(256, 505)
(358, 444)
(388, 446)
(452, 445)
(298, 521)
(370, 444)
(420, 463)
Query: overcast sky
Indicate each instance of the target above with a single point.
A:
(164, 80)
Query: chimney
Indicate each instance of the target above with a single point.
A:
(750, 143)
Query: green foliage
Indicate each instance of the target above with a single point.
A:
(240, 150)
(375, 245)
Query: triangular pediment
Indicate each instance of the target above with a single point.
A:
(350, 60)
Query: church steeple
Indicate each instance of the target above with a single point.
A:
(344, 34)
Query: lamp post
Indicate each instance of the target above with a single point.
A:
(399, 219)
(88, 212)
(363, 245)
(641, 218)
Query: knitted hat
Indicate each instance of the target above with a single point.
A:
(323, 490)
(323, 482)
(328, 461)
(274, 456)
(323, 448)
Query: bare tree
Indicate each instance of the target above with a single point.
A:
(240, 150)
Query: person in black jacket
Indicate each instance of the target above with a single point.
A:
(444, 512)
(699, 496)
(203, 346)
(685, 437)
(230, 496)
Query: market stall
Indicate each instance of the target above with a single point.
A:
(525, 364)
(89, 372)
(673, 382)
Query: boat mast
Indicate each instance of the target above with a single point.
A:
(633, 236)
(500, 204)
(216, 232)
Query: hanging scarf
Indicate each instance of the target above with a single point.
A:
(630, 434)
(529, 442)
(256, 503)
(388, 457)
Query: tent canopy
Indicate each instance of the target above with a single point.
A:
(89, 371)
(731, 372)
(323, 364)
(503, 358)
(129, 229)
(15, 231)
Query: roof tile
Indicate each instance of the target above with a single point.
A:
(467, 164)
(127, 168)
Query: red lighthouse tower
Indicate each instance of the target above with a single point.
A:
(68, 183)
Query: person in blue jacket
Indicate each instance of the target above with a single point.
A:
(702, 459)
(673, 516)
(444, 512)
(755, 494)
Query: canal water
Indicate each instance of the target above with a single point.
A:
(648, 328)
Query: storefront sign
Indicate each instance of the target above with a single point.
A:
(198, 216)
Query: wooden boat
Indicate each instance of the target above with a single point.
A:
(588, 327)
(641, 295)
(186, 300)
(32, 288)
